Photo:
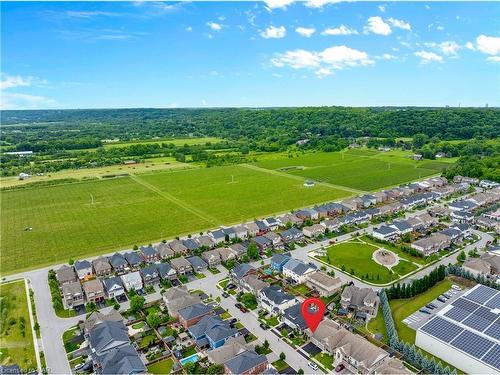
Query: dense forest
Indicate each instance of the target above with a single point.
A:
(65, 136)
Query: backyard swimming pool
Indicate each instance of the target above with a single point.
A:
(191, 359)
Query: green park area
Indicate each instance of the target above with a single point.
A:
(16, 338)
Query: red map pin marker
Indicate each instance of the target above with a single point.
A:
(312, 311)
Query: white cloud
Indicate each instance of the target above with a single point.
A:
(273, 32)
(305, 31)
(388, 56)
(25, 101)
(381, 8)
(189, 29)
(427, 7)
(320, 3)
(214, 26)
(377, 25)
(493, 59)
(439, 28)
(203, 102)
(324, 62)
(427, 57)
(8, 81)
(488, 44)
(89, 14)
(276, 4)
(470, 45)
(449, 47)
(341, 30)
(400, 24)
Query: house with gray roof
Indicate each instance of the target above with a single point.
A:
(206, 241)
(230, 233)
(232, 347)
(178, 298)
(65, 275)
(247, 362)
(72, 295)
(297, 270)
(150, 275)
(252, 229)
(181, 265)
(241, 232)
(166, 272)
(272, 223)
(165, 251)
(197, 263)
(263, 243)
(118, 262)
(239, 249)
(106, 336)
(122, 360)
(402, 226)
(252, 284)
(218, 236)
(149, 254)
(385, 233)
(212, 331)
(83, 269)
(132, 281)
(241, 270)
(275, 300)
(97, 317)
(362, 301)
(278, 261)
(293, 318)
(133, 259)
(292, 235)
(212, 258)
(191, 244)
(102, 267)
(178, 247)
(191, 315)
(113, 287)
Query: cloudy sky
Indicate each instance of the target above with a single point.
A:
(274, 53)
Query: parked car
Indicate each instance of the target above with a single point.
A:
(225, 295)
(230, 286)
(264, 326)
(243, 309)
(312, 365)
(425, 311)
(238, 305)
(339, 368)
(79, 366)
(441, 299)
(433, 305)
(456, 287)
(233, 321)
(447, 295)
(429, 306)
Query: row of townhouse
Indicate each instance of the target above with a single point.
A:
(398, 228)
(488, 264)
(442, 240)
(489, 221)
(462, 210)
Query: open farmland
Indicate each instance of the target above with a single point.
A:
(174, 141)
(82, 219)
(359, 169)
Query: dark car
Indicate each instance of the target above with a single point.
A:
(339, 368)
(264, 326)
(243, 309)
(425, 311)
(225, 295)
(230, 286)
(238, 305)
(233, 321)
(429, 306)
(441, 299)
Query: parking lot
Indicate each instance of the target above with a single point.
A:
(419, 317)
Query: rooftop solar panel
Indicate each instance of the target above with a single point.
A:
(494, 303)
(441, 329)
(494, 330)
(493, 357)
(480, 319)
(472, 344)
(457, 314)
(465, 304)
(481, 294)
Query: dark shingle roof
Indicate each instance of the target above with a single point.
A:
(276, 295)
(245, 361)
(117, 260)
(241, 270)
(124, 360)
(149, 251)
(133, 258)
(109, 283)
(198, 309)
(82, 264)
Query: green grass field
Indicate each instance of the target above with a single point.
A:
(355, 257)
(162, 367)
(16, 343)
(137, 210)
(176, 141)
(361, 169)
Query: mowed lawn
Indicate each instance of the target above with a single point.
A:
(360, 169)
(355, 258)
(138, 210)
(16, 342)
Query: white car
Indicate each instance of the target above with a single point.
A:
(456, 287)
(312, 365)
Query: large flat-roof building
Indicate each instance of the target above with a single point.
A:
(466, 333)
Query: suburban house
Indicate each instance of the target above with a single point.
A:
(292, 317)
(231, 348)
(275, 239)
(94, 290)
(274, 300)
(83, 269)
(132, 281)
(332, 225)
(362, 301)
(386, 233)
(239, 249)
(380, 196)
(297, 270)
(227, 253)
(212, 331)
(166, 272)
(150, 275)
(191, 244)
(197, 263)
(278, 261)
(96, 318)
(181, 265)
(113, 287)
(149, 254)
(307, 214)
(212, 257)
(263, 228)
(191, 315)
(165, 251)
(488, 265)
(206, 241)
(323, 283)
(246, 363)
(66, 275)
(355, 353)
(292, 219)
(133, 259)
(292, 235)
(178, 247)
(241, 232)
(177, 298)
(272, 223)
(118, 262)
(218, 236)
(123, 360)
(101, 266)
(252, 229)
(352, 204)
(402, 226)
(252, 284)
(106, 336)
(434, 243)
(314, 230)
(230, 233)
(263, 243)
(72, 294)
(241, 270)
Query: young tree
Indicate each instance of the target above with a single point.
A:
(282, 356)
(153, 320)
(137, 303)
(252, 251)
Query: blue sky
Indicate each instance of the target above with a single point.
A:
(274, 53)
